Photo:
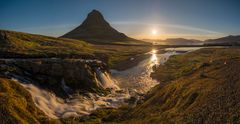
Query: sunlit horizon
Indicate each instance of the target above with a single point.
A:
(171, 19)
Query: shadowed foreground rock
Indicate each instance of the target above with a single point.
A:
(78, 74)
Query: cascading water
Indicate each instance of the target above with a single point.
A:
(77, 105)
(56, 107)
(105, 80)
(135, 79)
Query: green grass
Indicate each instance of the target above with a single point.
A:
(16, 105)
(119, 53)
(185, 96)
(104, 115)
(31, 45)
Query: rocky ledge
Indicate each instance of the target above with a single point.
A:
(62, 76)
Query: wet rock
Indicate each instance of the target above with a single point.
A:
(78, 74)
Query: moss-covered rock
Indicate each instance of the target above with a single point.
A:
(17, 107)
(78, 74)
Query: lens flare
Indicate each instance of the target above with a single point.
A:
(154, 31)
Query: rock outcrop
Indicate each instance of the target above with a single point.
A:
(78, 75)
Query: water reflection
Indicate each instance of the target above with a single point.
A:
(132, 81)
(138, 78)
(154, 58)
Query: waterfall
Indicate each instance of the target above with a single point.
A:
(105, 80)
(130, 80)
(55, 107)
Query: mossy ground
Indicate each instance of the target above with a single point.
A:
(16, 105)
(198, 87)
(204, 87)
(18, 44)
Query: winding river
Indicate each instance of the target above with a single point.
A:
(130, 83)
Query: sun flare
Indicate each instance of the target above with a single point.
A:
(154, 31)
(153, 51)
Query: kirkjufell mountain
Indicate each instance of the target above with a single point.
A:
(96, 28)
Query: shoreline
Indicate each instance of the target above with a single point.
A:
(130, 62)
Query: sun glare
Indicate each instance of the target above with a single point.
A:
(154, 31)
(154, 59)
(154, 51)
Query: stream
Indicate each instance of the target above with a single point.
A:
(127, 84)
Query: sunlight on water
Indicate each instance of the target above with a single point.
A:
(138, 79)
(154, 59)
(153, 51)
(124, 85)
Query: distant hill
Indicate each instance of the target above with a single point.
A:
(96, 29)
(18, 44)
(24, 45)
(229, 40)
(176, 41)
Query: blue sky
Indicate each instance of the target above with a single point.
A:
(199, 19)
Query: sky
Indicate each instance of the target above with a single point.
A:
(141, 19)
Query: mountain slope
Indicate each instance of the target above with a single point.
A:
(96, 29)
(18, 44)
(177, 41)
(229, 40)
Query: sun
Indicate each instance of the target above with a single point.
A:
(154, 31)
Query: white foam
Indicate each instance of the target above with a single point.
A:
(106, 81)
(136, 79)
(55, 107)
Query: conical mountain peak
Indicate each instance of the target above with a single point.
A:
(95, 13)
(95, 18)
(96, 28)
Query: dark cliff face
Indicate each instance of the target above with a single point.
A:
(95, 27)
(78, 75)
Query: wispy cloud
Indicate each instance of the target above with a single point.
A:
(134, 29)
(182, 27)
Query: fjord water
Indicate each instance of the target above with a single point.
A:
(124, 85)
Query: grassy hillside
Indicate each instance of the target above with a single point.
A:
(16, 107)
(119, 55)
(199, 87)
(37, 45)
(18, 44)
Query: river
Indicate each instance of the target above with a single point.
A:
(130, 83)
